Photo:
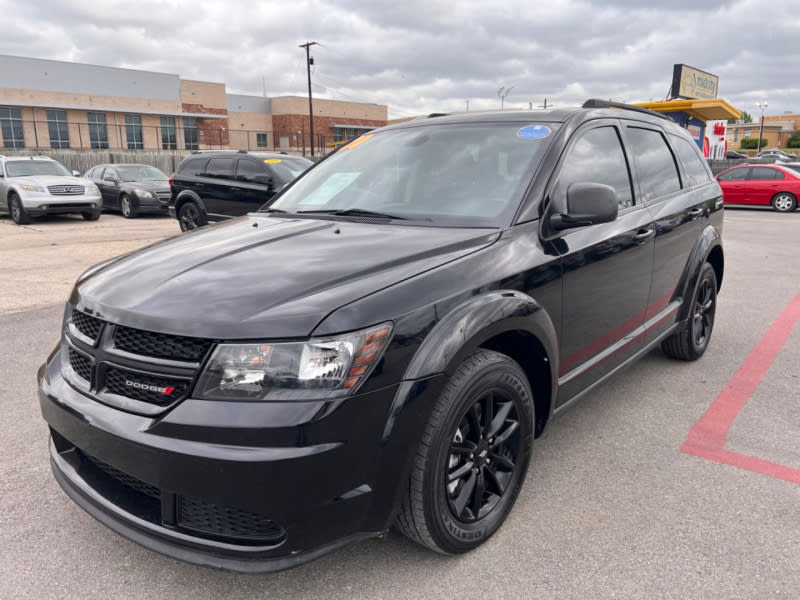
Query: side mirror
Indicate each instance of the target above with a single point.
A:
(587, 204)
(76, 173)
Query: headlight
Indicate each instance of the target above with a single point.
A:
(316, 368)
(143, 193)
(32, 188)
(91, 187)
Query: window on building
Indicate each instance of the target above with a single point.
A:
(735, 135)
(11, 124)
(261, 140)
(169, 135)
(341, 134)
(58, 128)
(98, 134)
(190, 133)
(133, 132)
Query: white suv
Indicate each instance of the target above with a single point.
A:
(32, 186)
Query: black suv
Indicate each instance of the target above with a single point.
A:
(211, 186)
(381, 345)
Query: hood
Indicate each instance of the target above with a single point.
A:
(46, 180)
(150, 186)
(264, 277)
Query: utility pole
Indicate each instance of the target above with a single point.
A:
(503, 96)
(467, 101)
(309, 62)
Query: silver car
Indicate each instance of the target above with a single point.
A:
(33, 186)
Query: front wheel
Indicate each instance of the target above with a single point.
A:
(18, 214)
(125, 206)
(191, 217)
(91, 215)
(784, 202)
(690, 342)
(472, 458)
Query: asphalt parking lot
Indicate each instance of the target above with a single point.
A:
(674, 480)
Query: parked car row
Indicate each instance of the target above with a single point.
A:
(206, 187)
(774, 185)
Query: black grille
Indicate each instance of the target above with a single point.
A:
(124, 478)
(160, 391)
(159, 345)
(80, 364)
(65, 190)
(226, 521)
(88, 326)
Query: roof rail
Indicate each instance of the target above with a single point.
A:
(595, 103)
(434, 115)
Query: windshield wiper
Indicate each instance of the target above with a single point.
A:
(353, 212)
(271, 210)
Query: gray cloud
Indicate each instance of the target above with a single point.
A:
(422, 56)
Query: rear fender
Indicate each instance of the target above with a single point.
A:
(708, 248)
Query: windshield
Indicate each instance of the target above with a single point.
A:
(141, 173)
(27, 168)
(289, 168)
(450, 175)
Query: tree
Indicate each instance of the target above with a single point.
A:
(752, 143)
(794, 140)
(745, 118)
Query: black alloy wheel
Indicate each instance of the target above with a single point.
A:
(126, 207)
(191, 217)
(18, 214)
(690, 342)
(472, 458)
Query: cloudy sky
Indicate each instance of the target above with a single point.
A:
(421, 56)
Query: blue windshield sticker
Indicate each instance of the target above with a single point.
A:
(533, 132)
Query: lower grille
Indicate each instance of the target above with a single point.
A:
(225, 521)
(136, 484)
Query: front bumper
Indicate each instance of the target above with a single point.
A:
(251, 487)
(40, 204)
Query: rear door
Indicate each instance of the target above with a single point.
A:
(763, 184)
(607, 267)
(254, 185)
(218, 185)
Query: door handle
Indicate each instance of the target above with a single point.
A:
(643, 235)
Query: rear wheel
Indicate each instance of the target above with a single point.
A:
(128, 211)
(691, 341)
(191, 217)
(472, 458)
(18, 214)
(784, 202)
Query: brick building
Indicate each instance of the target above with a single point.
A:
(54, 104)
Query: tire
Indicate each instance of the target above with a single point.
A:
(91, 215)
(464, 479)
(191, 217)
(784, 202)
(126, 207)
(17, 211)
(690, 342)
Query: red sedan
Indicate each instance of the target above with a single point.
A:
(760, 185)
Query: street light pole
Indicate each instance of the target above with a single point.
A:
(309, 60)
(763, 106)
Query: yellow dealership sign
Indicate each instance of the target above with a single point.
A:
(688, 82)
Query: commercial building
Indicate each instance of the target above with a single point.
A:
(54, 104)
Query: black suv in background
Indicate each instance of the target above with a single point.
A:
(382, 344)
(211, 186)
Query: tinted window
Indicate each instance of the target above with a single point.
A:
(655, 165)
(220, 168)
(693, 164)
(596, 157)
(734, 174)
(192, 166)
(765, 174)
(247, 170)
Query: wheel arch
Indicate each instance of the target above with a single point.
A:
(708, 248)
(189, 196)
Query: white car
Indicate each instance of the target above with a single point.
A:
(32, 186)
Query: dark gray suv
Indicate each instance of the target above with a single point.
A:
(212, 186)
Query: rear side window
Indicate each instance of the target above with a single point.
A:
(595, 157)
(247, 170)
(219, 168)
(765, 174)
(655, 165)
(192, 166)
(693, 164)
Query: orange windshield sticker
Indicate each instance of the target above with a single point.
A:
(357, 142)
(271, 161)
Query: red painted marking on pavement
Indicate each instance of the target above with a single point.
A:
(707, 437)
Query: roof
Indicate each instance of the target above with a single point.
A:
(706, 109)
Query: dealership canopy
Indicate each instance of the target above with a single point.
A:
(706, 109)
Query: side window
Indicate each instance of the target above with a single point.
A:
(655, 165)
(91, 173)
(595, 157)
(246, 170)
(765, 174)
(192, 166)
(694, 166)
(739, 174)
(219, 168)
